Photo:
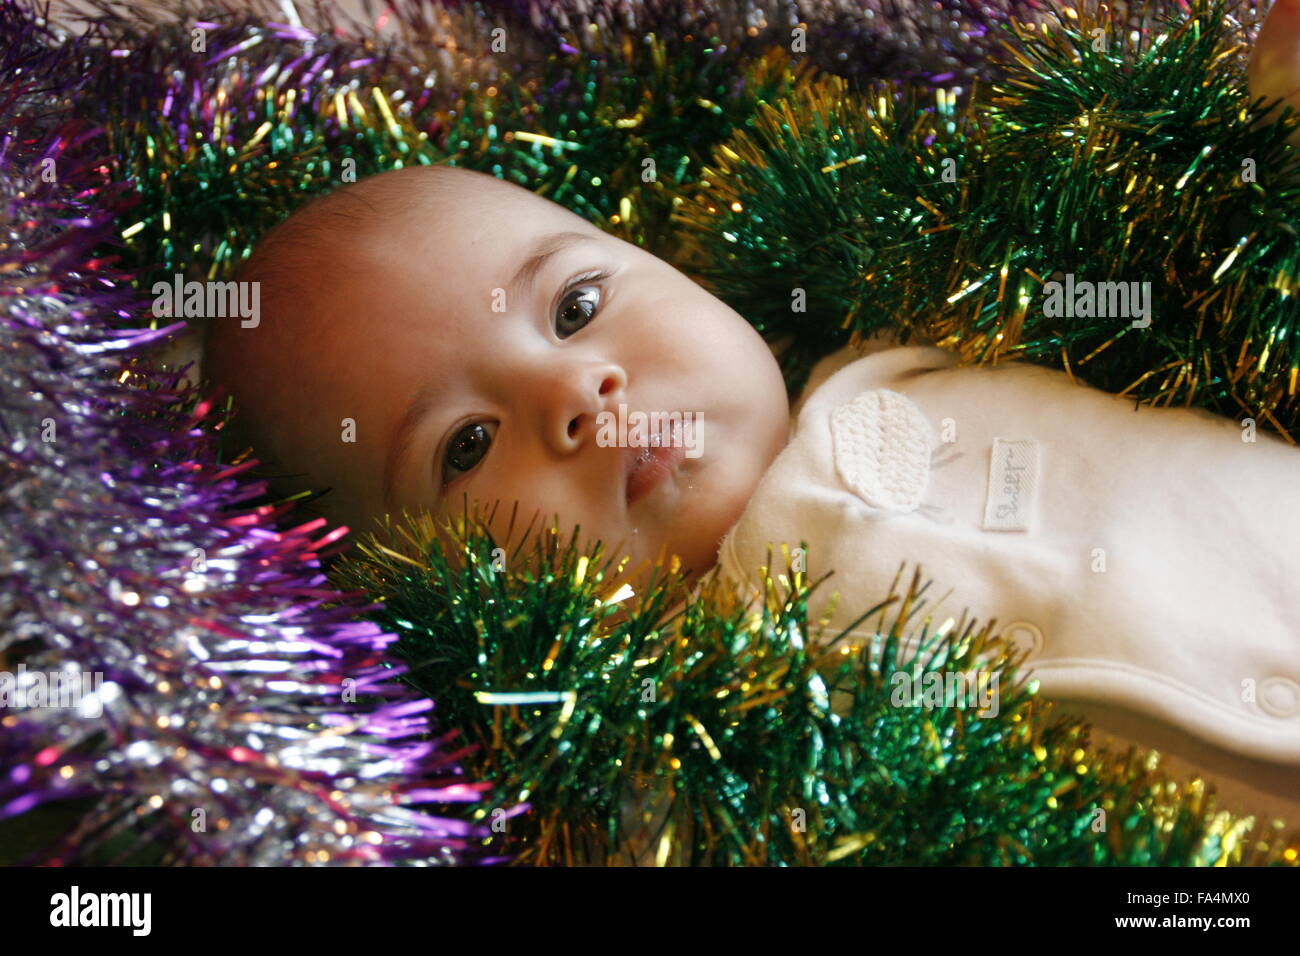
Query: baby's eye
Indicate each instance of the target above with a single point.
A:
(465, 450)
(578, 307)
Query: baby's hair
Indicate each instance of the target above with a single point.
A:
(278, 263)
(277, 259)
(281, 258)
(286, 263)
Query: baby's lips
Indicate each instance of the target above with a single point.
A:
(1273, 71)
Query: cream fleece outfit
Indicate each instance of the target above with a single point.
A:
(1147, 558)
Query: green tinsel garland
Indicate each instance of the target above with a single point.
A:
(755, 738)
(1112, 156)
(578, 128)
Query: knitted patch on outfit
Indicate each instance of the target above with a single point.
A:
(881, 443)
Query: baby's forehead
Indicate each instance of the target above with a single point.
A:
(484, 239)
(399, 223)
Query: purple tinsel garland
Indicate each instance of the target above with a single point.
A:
(215, 675)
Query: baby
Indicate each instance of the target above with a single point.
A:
(433, 333)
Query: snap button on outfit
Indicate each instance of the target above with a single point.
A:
(1280, 696)
(1026, 636)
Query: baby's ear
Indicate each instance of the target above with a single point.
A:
(1273, 71)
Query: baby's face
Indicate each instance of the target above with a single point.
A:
(479, 342)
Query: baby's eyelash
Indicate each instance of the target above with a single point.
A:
(577, 282)
(599, 275)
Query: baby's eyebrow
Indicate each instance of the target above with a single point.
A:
(542, 251)
(399, 446)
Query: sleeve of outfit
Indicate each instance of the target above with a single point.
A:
(1143, 557)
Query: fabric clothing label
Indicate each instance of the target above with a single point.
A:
(1013, 485)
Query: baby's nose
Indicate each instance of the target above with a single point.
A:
(577, 400)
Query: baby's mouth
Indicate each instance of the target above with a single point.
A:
(647, 467)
